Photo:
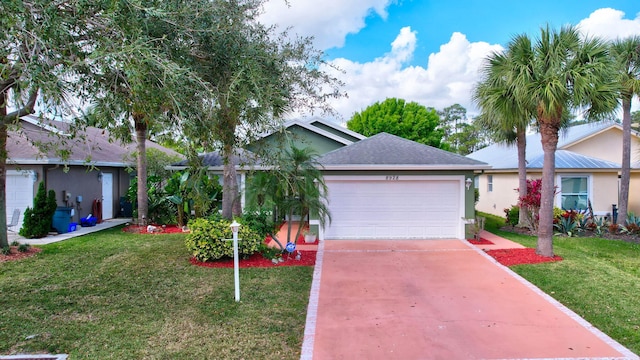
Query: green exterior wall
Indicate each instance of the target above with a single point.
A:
(301, 138)
(333, 131)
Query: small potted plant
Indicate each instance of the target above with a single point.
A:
(309, 237)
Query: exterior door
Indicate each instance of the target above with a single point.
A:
(19, 193)
(107, 195)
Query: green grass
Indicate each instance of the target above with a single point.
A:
(114, 295)
(599, 279)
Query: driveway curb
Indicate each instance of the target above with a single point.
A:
(597, 332)
(311, 335)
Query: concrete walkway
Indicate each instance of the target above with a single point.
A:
(437, 299)
(59, 237)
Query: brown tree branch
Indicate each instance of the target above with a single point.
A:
(25, 110)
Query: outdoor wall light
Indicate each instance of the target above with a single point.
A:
(467, 183)
(100, 176)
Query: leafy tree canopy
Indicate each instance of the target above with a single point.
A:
(395, 116)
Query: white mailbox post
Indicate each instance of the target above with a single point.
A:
(236, 272)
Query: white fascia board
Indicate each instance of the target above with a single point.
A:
(338, 127)
(405, 167)
(36, 121)
(312, 128)
(69, 162)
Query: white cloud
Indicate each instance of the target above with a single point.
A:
(329, 21)
(447, 78)
(610, 24)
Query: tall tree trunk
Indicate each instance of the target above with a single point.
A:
(521, 143)
(230, 201)
(4, 239)
(549, 140)
(623, 204)
(6, 118)
(143, 197)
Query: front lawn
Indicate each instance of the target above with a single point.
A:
(599, 279)
(115, 295)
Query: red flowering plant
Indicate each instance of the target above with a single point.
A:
(530, 203)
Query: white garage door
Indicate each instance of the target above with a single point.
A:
(19, 193)
(395, 207)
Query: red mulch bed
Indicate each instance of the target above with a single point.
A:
(16, 255)
(510, 257)
(482, 241)
(307, 258)
(159, 229)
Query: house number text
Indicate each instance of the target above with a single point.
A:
(393, 177)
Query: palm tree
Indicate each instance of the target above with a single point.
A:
(295, 186)
(302, 188)
(567, 73)
(502, 113)
(626, 55)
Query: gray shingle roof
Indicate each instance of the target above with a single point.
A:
(214, 159)
(392, 151)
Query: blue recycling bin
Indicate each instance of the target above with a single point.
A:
(62, 219)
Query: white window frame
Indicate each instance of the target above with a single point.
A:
(489, 183)
(558, 199)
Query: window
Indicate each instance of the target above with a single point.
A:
(574, 192)
(489, 183)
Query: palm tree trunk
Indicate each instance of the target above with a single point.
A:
(625, 175)
(549, 139)
(143, 199)
(521, 143)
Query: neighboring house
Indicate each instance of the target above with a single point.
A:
(382, 187)
(587, 170)
(95, 169)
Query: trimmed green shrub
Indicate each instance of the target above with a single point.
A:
(207, 240)
(512, 215)
(270, 252)
(15, 243)
(259, 220)
(5, 250)
(37, 220)
(23, 247)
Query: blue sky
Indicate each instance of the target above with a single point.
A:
(430, 51)
(494, 22)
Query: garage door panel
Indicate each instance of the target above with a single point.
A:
(377, 209)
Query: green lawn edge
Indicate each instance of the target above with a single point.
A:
(599, 279)
(116, 295)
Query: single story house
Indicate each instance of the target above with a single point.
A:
(587, 170)
(95, 170)
(381, 187)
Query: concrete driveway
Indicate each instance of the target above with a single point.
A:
(436, 299)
